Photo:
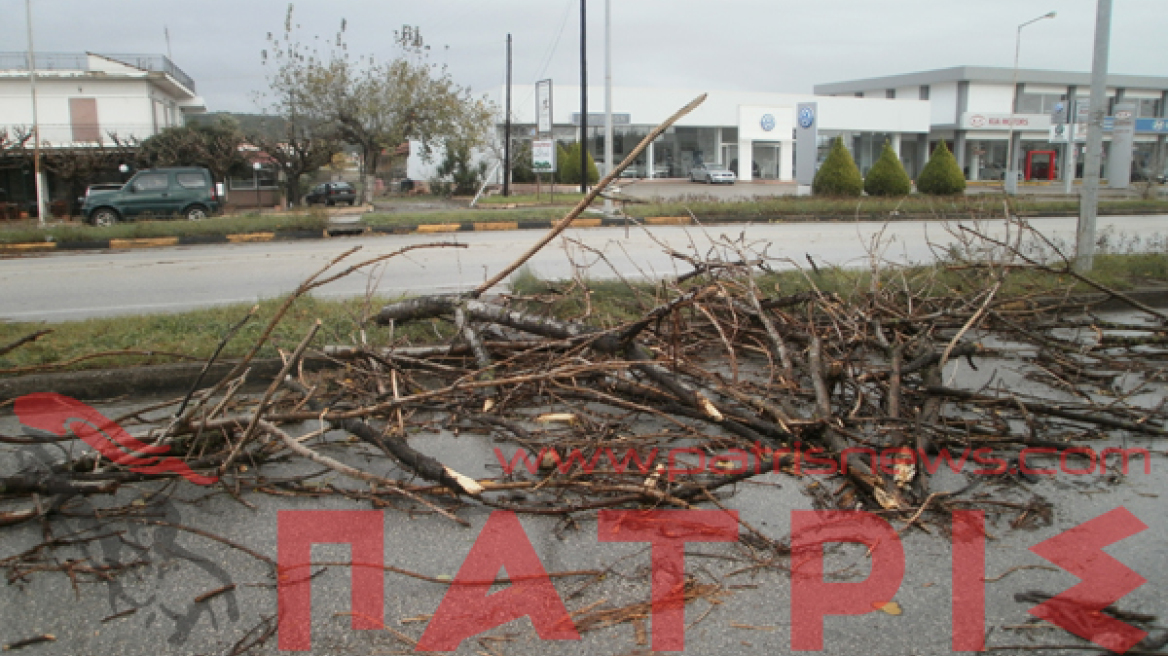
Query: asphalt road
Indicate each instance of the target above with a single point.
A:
(69, 286)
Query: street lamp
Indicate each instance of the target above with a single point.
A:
(1011, 165)
(256, 167)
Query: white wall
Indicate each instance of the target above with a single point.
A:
(872, 115)
(125, 106)
(943, 100)
(908, 93)
(648, 106)
(990, 98)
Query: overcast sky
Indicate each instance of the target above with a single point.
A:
(750, 45)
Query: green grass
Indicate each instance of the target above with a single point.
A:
(224, 225)
(560, 198)
(880, 208)
(604, 303)
(701, 207)
(196, 334)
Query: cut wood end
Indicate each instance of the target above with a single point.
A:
(710, 410)
(468, 484)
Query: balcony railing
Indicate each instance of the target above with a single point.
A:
(68, 61)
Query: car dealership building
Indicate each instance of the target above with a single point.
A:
(753, 132)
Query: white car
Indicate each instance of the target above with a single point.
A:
(712, 173)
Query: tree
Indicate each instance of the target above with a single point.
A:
(569, 165)
(838, 175)
(941, 175)
(214, 146)
(887, 176)
(457, 166)
(377, 105)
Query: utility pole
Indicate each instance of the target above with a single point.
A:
(1089, 200)
(36, 126)
(507, 128)
(608, 154)
(584, 96)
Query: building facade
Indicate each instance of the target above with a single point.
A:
(752, 133)
(972, 108)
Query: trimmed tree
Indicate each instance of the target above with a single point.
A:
(941, 175)
(838, 175)
(569, 166)
(887, 176)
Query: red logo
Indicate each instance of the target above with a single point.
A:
(54, 412)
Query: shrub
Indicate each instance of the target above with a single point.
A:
(838, 176)
(887, 176)
(941, 175)
(569, 166)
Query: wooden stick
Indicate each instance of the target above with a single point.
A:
(583, 204)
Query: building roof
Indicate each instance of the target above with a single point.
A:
(63, 64)
(991, 75)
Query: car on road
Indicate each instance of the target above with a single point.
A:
(712, 173)
(188, 192)
(332, 193)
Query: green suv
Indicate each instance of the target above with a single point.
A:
(185, 192)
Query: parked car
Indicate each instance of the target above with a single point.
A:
(101, 186)
(712, 173)
(186, 192)
(332, 193)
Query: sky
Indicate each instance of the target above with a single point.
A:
(716, 45)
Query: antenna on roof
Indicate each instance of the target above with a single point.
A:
(166, 32)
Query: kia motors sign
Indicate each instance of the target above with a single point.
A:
(983, 121)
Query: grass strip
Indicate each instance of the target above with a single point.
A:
(603, 303)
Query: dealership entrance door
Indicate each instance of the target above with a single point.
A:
(766, 159)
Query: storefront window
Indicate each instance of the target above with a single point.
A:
(1038, 103)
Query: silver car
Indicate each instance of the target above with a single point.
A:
(712, 173)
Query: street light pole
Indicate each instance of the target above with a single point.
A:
(1089, 200)
(583, 96)
(1011, 165)
(255, 166)
(36, 126)
(608, 154)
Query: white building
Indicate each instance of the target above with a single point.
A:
(751, 132)
(970, 108)
(84, 98)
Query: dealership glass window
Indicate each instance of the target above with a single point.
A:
(1038, 103)
(729, 135)
(985, 159)
(767, 158)
(1148, 108)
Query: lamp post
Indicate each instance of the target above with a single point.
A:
(1011, 165)
(36, 126)
(256, 167)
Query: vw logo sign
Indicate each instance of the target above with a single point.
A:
(806, 117)
(767, 122)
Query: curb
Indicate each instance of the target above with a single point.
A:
(342, 230)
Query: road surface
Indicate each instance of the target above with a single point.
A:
(68, 286)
